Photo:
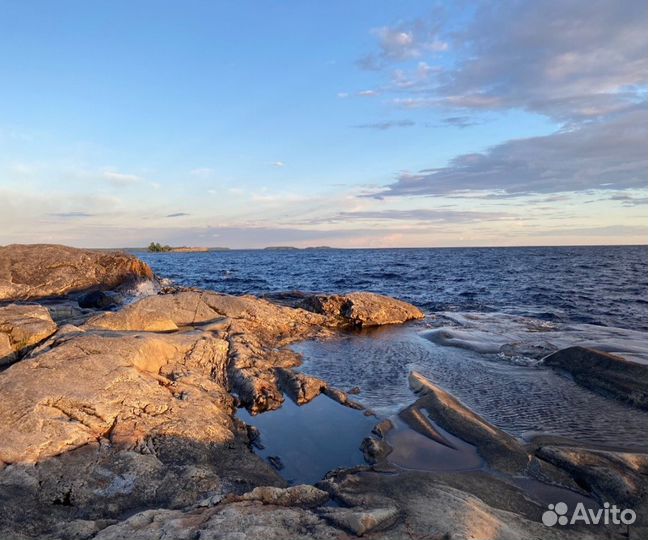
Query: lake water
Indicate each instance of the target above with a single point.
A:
(492, 313)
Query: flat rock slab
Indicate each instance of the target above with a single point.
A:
(499, 449)
(614, 477)
(43, 270)
(22, 327)
(605, 373)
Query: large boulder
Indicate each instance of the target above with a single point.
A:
(362, 308)
(604, 373)
(22, 327)
(43, 270)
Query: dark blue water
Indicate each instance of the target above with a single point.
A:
(597, 285)
(565, 285)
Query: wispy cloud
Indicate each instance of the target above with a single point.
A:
(606, 155)
(278, 164)
(119, 179)
(404, 41)
(71, 215)
(628, 200)
(429, 215)
(386, 125)
(460, 121)
(177, 214)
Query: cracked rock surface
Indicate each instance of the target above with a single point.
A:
(43, 270)
(22, 327)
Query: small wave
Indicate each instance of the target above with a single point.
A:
(515, 337)
(144, 288)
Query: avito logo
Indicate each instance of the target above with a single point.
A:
(558, 514)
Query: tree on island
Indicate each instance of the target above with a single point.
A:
(156, 247)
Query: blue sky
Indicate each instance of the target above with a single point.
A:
(353, 124)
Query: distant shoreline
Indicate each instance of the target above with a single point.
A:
(332, 248)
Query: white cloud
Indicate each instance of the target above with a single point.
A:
(120, 179)
(278, 164)
(572, 61)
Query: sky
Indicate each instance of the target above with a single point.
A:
(351, 124)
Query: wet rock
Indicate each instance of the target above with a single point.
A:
(354, 391)
(432, 508)
(254, 436)
(302, 495)
(383, 427)
(614, 477)
(374, 450)
(97, 300)
(362, 308)
(415, 417)
(528, 339)
(43, 270)
(300, 387)
(22, 327)
(604, 373)
(276, 462)
(341, 398)
(361, 521)
(498, 448)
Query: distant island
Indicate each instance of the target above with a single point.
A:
(156, 247)
(293, 248)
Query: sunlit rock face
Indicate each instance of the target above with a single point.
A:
(22, 327)
(38, 271)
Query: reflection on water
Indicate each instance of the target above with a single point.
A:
(523, 400)
(412, 450)
(312, 439)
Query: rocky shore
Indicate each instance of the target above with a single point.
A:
(118, 421)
